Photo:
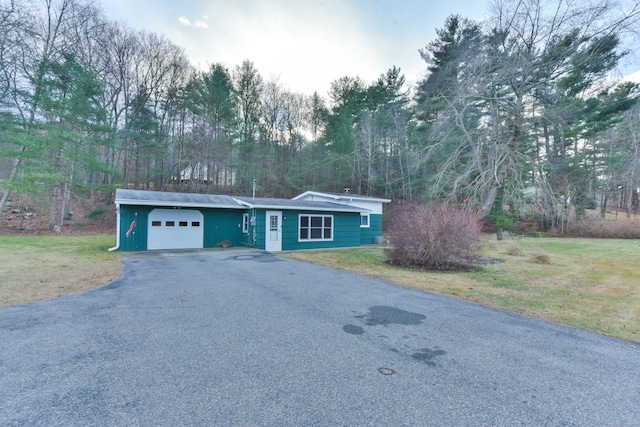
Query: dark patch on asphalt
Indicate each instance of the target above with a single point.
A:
(112, 285)
(353, 329)
(244, 257)
(259, 257)
(385, 315)
(26, 323)
(427, 355)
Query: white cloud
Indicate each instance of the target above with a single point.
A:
(202, 23)
(199, 23)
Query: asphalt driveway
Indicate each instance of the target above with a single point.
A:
(245, 339)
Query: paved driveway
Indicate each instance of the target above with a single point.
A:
(245, 339)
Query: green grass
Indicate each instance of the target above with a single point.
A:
(41, 267)
(593, 284)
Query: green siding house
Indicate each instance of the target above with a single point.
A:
(155, 220)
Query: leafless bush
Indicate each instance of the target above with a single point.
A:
(432, 236)
(606, 228)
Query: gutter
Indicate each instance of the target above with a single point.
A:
(117, 246)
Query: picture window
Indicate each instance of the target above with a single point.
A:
(315, 227)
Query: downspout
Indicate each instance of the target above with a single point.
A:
(117, 246)
(254, 229)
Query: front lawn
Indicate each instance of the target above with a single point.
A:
(40, 267)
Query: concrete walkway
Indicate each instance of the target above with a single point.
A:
(243, 338)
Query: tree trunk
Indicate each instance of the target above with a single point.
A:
(489, 196)
(7, 192)
(52, 208)
(66, 198)
(603, 206)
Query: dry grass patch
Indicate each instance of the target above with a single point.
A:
(514, 250)
(540, 259)
(41, 267)
(491, 246)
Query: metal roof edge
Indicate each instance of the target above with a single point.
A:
(176, 204)
(353, 209)
(316, 193)
(336, 196)
(243, 203)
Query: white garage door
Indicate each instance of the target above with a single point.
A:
(175, 229)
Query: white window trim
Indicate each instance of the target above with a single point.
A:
(368, 220)
(322, 239)
(245, 223)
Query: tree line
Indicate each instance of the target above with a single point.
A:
(519, 110)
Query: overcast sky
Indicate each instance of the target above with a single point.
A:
(306, 44)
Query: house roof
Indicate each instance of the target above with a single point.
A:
(341, 196)
(269, 203)
(165, 198)
(169, 199)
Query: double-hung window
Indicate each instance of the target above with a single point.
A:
(316, 227)
(365, 220)
(245, 223)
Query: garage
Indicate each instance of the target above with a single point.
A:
(175, 229)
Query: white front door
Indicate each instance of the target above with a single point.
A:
(273, 232)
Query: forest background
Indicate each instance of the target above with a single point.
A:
(518, 116)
